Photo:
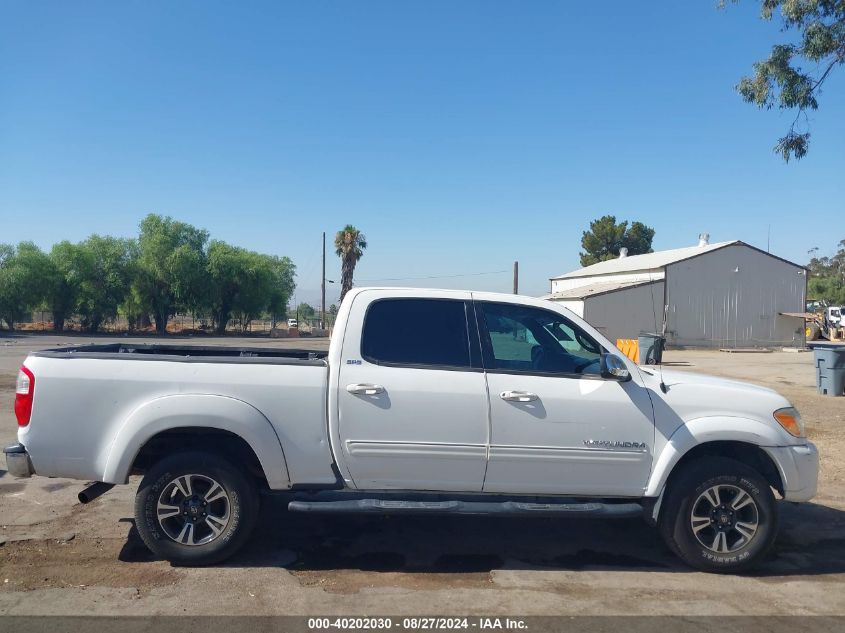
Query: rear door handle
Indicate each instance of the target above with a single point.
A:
(364, 389)
(519, 396)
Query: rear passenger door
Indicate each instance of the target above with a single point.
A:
(412, 401)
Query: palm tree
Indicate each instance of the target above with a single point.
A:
(349, 245)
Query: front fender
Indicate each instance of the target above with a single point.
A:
(197, 410)
(709, 429)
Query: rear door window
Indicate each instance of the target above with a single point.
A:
(417, 332)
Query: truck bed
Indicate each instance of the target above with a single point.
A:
(189, 353)
(99, 404)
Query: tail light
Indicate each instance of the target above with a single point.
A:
(24, 392)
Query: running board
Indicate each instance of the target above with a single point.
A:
(511, 508)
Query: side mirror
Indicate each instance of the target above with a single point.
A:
(614, 368)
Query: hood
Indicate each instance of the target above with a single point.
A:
(691, 396)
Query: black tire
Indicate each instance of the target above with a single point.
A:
(690, 496)
(226, 532)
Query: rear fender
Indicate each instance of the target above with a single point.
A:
(197, 410)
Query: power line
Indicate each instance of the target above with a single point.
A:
(492, 272)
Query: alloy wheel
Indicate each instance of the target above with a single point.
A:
(193, 509)
(724, 518)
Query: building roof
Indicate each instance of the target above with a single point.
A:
(649, 261)
(600, 288)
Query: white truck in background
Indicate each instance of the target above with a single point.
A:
(428, 401)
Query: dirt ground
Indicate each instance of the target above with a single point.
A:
(59, 557)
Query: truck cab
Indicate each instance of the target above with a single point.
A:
(460, 392)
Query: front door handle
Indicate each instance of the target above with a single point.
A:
(364, 389)
(519, 396)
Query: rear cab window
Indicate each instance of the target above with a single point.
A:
(419, 333)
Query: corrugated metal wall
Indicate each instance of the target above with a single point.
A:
(732, 297)
(626, 313)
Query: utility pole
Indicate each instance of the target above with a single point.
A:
(323, 287)
(516, 278)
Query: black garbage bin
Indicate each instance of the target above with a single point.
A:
(651, 348)
(830, 369)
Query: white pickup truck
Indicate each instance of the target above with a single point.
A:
(428, 401)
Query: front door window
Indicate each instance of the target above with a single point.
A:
(532, 340)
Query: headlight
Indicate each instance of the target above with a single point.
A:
(790, 420)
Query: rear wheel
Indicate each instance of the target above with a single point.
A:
(719, 516)
(195, 508)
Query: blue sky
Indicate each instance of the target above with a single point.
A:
(459, 136)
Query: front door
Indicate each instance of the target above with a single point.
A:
(412, 398)
(557, 426)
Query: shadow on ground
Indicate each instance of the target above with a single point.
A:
(812, 542)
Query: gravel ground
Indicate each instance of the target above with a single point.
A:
(59, 557)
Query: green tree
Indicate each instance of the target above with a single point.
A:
(349, 245)
(226, 270)
(255, 283)
(168, 268)
(9, 297)
(135, 306)
(331, 315)
(65, 281)
(638, 239)
(104, 268)
(25, 274)
(171, 267)
(245, 284)
(282, 272)
(826, 281)
(305, 311)
(780, 82)
(605, 237)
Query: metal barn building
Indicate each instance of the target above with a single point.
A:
(725, 295)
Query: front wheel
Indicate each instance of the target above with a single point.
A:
(195, 508)
(719, 516)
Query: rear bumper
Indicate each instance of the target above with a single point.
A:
(799, 470)
(17, 461)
